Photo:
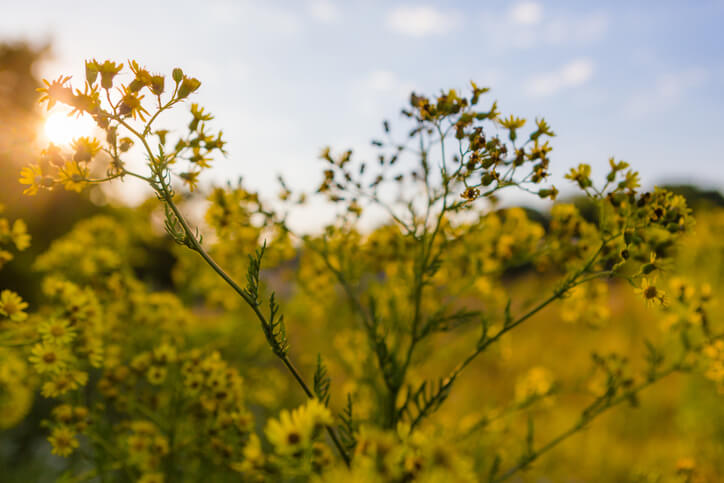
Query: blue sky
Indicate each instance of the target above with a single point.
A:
(642, 81)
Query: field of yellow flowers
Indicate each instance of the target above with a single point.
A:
(457, 340)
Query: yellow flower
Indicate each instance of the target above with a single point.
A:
(652, 295)
(156, 375)
(63, 413)
(56, 91)
(12, 306)
(73, 176)
(57, 331)
(85, 148)
(143, 77)
(538, 382)
(108, 71)
(131, 105)
(64, 381)
(165, 354)
(63, 440)
(20, 236)
(191, 179)
(48, 357)
(188, 85)
(294, 431)
(33, 176)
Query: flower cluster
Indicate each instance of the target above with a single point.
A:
(410, 293)
(126, 117)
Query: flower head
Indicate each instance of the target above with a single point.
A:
(12, 306)
(49, 357)
(63, 440)
(651, 294)
(56, 91)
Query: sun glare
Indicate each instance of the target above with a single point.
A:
(61, 129)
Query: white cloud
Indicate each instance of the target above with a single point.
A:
(667, 91)
(573, 74)
(583, 29)
(421, 21)
(324, 11)
(526, 13)
(523, 28)
(374, 93)
(266, 18)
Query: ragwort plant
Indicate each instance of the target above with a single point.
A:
(129, 376)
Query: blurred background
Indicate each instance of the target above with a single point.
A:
(641, 81)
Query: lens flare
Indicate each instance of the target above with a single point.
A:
(61, 130)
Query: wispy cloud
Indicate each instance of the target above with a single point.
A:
(526, 13)
(667, 91)
(324, 11)
(378, 90)
(421, 21)
(525, 26)
(572, 74)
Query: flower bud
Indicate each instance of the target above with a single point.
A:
(101, 120)
(125, 144)
(177, 75)
(157, 84)
(648, 268)
(91, 71)
(188, 85)
(136, 85)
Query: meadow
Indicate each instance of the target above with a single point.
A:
(457, 339)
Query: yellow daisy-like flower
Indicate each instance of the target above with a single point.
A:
(74, 176)
(63, 440)
(33, 176)
(12, 306)
(191, 179)
(57, 331)
(49, 357)
(131, 105)
(165, 354)
(294, 431)
(85, 148)
(651, 294)
(285, 435)
(64, 381)
(56, 91)
(156, 375)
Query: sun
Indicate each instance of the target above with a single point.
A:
(61, 130)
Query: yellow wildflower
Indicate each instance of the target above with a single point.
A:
(57, 331)
(650, 293)
(12, 306)
(74, 176)
(294, 431)
(63, 440)
(48, 357)
(156, 375)
(56, 91)
(64, 381)
(33, 176)
(85, 148)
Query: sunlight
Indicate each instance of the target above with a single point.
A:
(61, 130)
